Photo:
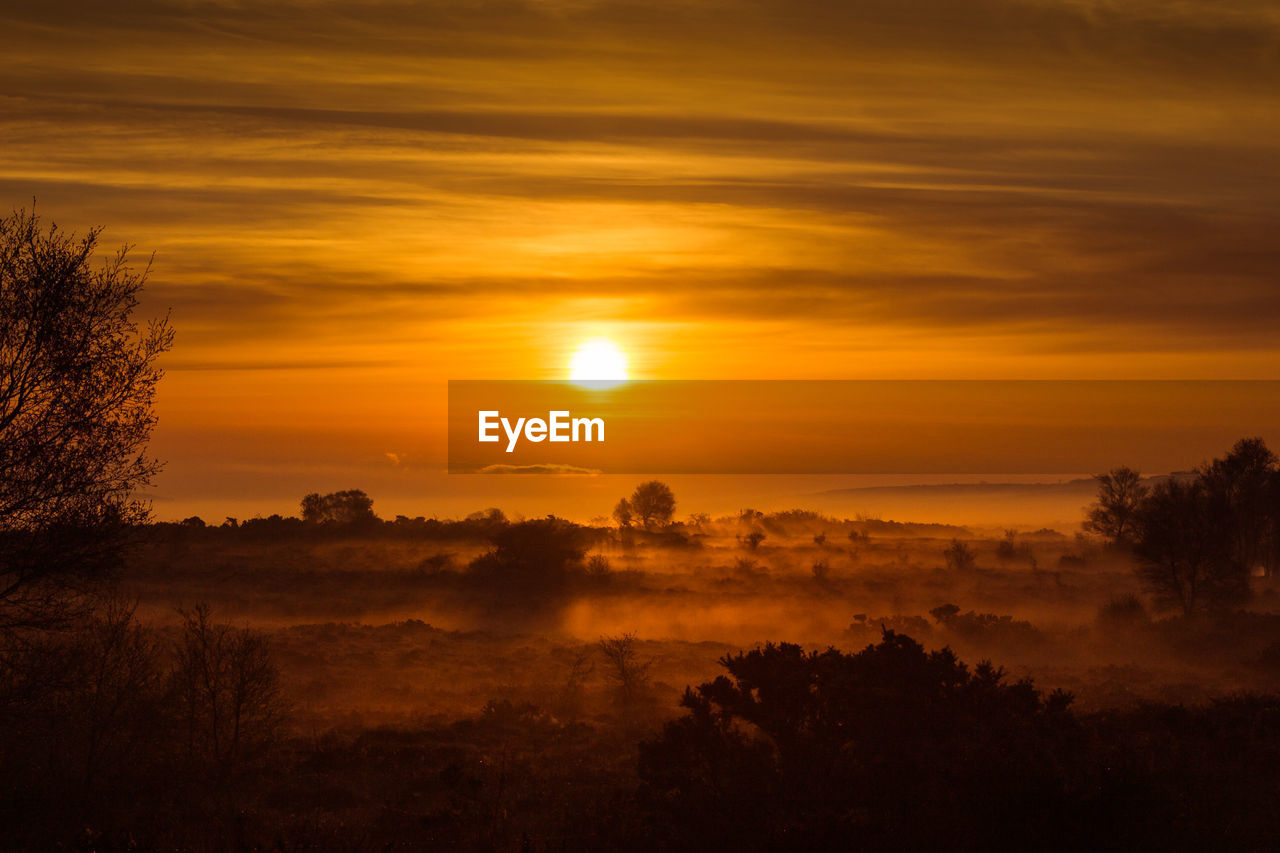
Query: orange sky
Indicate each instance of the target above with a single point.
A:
(352, 202)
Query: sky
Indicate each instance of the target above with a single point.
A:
(350, 203)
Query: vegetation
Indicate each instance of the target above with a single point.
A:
(1197, 538)
(959, 556)
(653, 504)
(890, 747)
(1120, 496)
(626, 668)
(77, 380)
(348, 507)
(1185, 549)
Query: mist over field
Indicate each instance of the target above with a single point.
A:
(1035, 599)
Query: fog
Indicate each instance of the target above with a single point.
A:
(393, 623)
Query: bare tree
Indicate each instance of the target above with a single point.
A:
(959, 556)
(1120, 494)
(77, 381)
(569, 703)
(628, 671)
(228, 691)
(85, 704)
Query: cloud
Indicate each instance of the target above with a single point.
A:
(546, 468)
(352, 201)
(362, 183)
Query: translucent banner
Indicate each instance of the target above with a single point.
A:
(849, 427)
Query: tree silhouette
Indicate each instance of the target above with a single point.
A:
(653, 503)
(1240, 486)
(533, 558)
(228, 692)
(1120, 495)
(346, 507)
(622, 513)
(959, 556)
(626, 669)
(77, 381)
(1185, 549)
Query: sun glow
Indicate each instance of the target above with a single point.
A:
(598, 363)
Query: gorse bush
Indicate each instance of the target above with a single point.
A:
(890, 746)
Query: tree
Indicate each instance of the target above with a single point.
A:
(598, 566)
(959, 556)
(347, 507)
(1184, 546)
(653, 503)
(77, 381)
(228, 690)
(622, 513)
(626, 669)
(1120, 494)
(83, 705)
(1240, 486)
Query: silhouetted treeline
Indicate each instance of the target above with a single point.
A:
(347, 514)
(1198, 538)
(275, 528)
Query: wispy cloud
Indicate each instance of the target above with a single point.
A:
(450, 188)
(548, 468)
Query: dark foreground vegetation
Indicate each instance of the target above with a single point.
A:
(141, 740)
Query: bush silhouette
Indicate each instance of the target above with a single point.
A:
(959, 556)
(892, 746)
(533, 560)
(351, 506)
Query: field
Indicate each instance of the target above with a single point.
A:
(494, 685)
(391, 627)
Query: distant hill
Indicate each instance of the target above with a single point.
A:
(1053, 504)
(1084, 485)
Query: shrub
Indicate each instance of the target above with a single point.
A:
(959, 556)
(1123, 611)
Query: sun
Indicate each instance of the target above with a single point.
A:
(598, 363)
